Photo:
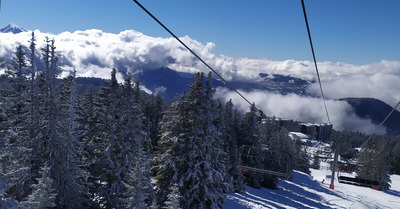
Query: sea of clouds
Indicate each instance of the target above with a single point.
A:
(93, 53)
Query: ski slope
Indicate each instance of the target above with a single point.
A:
(305, 191)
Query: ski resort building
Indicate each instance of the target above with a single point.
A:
(317, 131)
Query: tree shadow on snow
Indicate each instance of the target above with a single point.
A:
(300, 192)
(393, 192)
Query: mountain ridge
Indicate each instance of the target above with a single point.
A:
(169, 84)
(12, 28)
(375, 110)
(174, 82)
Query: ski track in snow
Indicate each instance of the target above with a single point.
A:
(304, 191)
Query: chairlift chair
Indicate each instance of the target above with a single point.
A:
(265, 162)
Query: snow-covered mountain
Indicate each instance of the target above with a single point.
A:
(11, 28)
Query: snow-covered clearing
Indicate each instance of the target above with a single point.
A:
(305, 191)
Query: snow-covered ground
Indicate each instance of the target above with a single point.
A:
(305, 191)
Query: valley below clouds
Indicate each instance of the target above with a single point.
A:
(93, 53)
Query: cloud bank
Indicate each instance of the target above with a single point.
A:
(93, 53)
(302, 108)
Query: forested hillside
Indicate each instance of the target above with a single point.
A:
(69, 147)
(376, 111)
(65, 145)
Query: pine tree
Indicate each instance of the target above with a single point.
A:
(174, 198)
(71, 184)
(91, 136)
(48, 112)
(374, 159)
(117, 147)
(94, 116)
(32, 56)
(250, 136)
(33, 104)
(43, 195)
(15, 156)
(280, 150)
(137, 184)
(153, 108)
(135, 149)
(19, 63)
(395, 155)
(166, 158)
(191, 150)
(111, 159)
(230, 132)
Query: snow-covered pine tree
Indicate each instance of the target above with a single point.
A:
(117, 145)
(301, 160)
(71, 183)
(138, 189)
(277, 140)
(250, 136)
(19, 64)
(94, 121)
(15, 155)
(135, 162)
(49, 109)
(215, 154)
(40, 135)
(174, 198)
(230, 131)
(15, 166)
(374, 159)
(52, 137)
(153, 108)
(395, 155)
(32, 56)
(43, 195)
(193, 150)
(110, 160)
(167, 157)
(45, 51)
(17, 98)
(92, 137)
(201, 178)
(33, 104)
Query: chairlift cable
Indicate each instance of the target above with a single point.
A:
(322, 93)
(191, 51)
(384, 120)
(315, 60)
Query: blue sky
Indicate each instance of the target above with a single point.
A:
(350, 31)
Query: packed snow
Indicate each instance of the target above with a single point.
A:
(304, 191)
(312, 191)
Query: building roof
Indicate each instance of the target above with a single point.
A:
(299, 134)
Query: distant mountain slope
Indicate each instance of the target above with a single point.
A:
(284, 84)
(169, 83)
(11, 28)
(377, 111)
(83, 84)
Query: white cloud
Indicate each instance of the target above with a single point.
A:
(301, 108)
(383, 86)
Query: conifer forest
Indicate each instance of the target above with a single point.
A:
(115, 146)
